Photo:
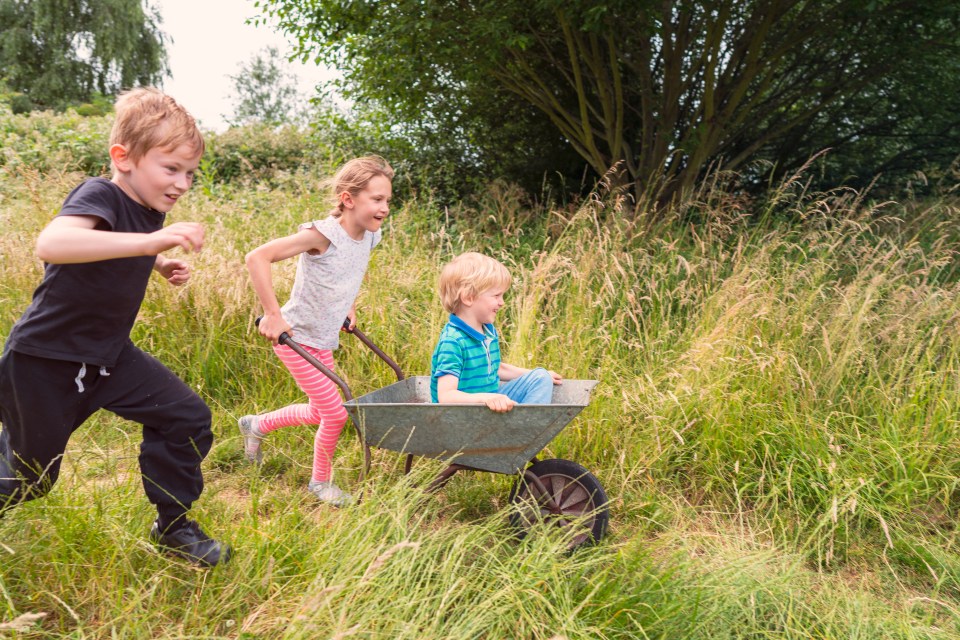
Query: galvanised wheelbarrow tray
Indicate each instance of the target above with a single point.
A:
(400, 417)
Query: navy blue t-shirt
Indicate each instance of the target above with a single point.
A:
(84, 312)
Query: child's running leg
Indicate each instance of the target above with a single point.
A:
(254, 427)
(324, 409)
(176, 428)
(40, 407)
(322, 394)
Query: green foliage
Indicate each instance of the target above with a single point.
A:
(775, 424)
(424, 164)
(258, 153)
(54, 142)
(661, 91)
(266, 91)
(58, 53)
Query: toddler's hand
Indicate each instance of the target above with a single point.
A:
(499, 403)
(557, 378)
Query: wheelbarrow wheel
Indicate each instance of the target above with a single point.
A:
(561, 493)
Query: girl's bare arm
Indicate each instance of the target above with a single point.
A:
(258, 264)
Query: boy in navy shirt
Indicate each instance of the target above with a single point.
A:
(466, 366)
(70, 353)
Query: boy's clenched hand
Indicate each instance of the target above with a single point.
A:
(186, 235)
(176, 272)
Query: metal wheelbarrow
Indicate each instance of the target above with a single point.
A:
(401, 418)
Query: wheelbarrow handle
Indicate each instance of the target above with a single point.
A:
(377, 350)
(284, 339)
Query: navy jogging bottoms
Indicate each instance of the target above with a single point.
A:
(41, 405)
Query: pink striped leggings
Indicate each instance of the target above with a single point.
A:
(324, 408)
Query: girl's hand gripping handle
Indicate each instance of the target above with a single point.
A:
(281, 339)
(285, 339)
(273, 327)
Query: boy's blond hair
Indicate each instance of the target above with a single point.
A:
(469, 275)
(354, 176)
(148, 118)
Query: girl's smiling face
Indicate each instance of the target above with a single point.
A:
(367, 210)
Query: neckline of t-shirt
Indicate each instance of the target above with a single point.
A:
(154, 212)
(347, 236)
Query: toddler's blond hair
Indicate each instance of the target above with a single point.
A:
(469, 275)
(148, 118)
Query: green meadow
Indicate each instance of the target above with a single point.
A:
(776, 425)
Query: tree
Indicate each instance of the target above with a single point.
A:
(65, 52)
(266, 91)
(662, 89)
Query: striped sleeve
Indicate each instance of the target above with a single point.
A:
(448, 359)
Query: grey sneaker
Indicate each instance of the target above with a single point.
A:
(250, 430)
(330, 493)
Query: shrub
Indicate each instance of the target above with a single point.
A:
(50, 142)
(258, 152)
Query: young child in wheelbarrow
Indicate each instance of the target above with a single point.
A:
(466, 366)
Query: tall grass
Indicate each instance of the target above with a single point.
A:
(775, 425)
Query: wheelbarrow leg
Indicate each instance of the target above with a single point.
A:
(408, 464)
(366, 462)
(444, 477)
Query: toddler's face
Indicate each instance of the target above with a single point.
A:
(487, 304)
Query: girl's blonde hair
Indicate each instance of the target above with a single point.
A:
(469, 275)
(354, 176)
(148, 118)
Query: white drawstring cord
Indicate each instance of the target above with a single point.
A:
(79, 378)
(83, 372)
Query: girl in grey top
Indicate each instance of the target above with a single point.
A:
(334, 253)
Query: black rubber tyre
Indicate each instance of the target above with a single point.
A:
(574, 497)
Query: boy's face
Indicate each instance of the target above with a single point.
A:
(484, 307)
(158, 178)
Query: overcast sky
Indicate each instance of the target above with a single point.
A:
(210, 41)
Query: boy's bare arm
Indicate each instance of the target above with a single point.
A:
(447, 393)
(73, 239)
(509, 372)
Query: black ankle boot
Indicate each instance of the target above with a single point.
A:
(189, 541)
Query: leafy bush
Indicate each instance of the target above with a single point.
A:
(51, 142)
(258, 152)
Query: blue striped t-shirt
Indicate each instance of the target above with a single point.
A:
(471, 356)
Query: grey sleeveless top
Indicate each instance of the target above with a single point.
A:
(327, 284)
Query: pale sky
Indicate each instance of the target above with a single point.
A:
(210, 41)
